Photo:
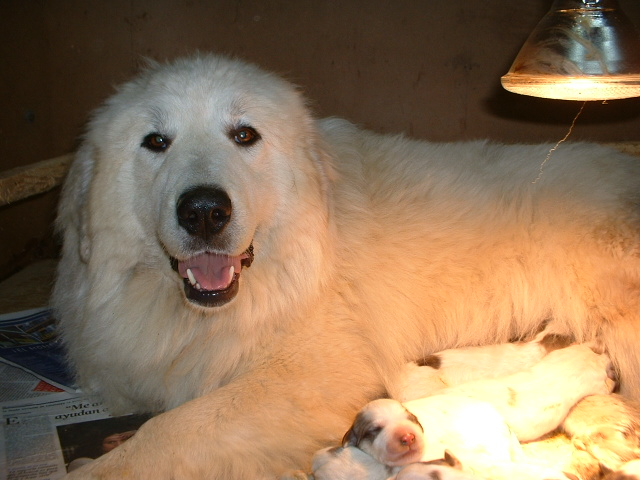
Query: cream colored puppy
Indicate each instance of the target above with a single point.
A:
(452, 367)
(536, 400)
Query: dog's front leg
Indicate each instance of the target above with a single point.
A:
(258, 426)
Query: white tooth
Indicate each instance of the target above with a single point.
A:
(231, 272)
(192, 279)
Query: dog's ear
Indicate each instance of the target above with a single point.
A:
(413, 419)
(452, 460)
(350, 438)
(73, 210)
(361, 430)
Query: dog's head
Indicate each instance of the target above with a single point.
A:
(198, 168)
(388, 432)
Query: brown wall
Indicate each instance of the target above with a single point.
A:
(430, 68)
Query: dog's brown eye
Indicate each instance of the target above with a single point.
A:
(156, 142)
(244, 136)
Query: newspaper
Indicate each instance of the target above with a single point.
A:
(48, 426)
(19, 384)
(29, 340)
(45, 437)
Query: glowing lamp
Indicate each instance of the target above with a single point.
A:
(580, 50)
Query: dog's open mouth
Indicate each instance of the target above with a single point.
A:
(211, 279)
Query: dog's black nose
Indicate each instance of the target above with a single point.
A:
(204, 211)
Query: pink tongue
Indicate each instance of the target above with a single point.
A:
(210, 270)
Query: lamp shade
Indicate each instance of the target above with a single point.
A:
(580, 50)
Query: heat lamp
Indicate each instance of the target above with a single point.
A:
(580, 50)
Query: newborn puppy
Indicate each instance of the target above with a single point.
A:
(449, 368)
(536, 400)
(393, 433)
(348, 463)
(451, 469)
(448, 468)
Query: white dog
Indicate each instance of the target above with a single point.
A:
(457, 366)
(261, 275)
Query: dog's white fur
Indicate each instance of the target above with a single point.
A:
(369, 251)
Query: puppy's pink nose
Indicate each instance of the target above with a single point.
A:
(407, 439)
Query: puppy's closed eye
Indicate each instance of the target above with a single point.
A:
(360, 431)
(371, 433)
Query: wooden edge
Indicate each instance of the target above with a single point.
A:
(627, 147)
(23, 182)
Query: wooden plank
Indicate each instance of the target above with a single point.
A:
(627, 147)
(22, 182)
(29, 288)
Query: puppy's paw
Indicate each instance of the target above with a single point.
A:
(584, 466)
(628, 471)
(611, 445)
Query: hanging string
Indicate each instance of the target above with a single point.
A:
(555, 147)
